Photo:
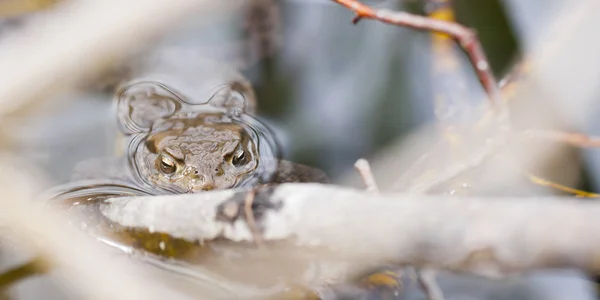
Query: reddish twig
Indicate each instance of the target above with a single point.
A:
(466, 38)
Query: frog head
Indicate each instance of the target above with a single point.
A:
(180, 147)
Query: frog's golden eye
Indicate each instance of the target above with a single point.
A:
(166, 165)
(239, 158)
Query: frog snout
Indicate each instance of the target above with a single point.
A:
(206, 185)
(199, 182)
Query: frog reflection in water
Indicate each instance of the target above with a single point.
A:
(182, 147)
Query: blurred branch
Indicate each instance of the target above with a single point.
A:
(466, 38)
(429, 285)
(77, 42)
(463, 234)
(60, 52)
(571, 85)
(28, 269)
(568, 86)
(78, 262)
(364, 170)
(510, 84)
(572, 138)
(13, 8)
(489, 237)
(426, 278)
(560, 187)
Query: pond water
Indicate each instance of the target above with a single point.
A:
(330, 92)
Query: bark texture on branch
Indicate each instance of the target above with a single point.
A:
(489, 237)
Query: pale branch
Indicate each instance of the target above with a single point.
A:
(539, 77)
(566, 39)
(478, 157)
(426, 278)
(54, 55)
(26, 270)
(76, 42)
(571, 138)
(363, 168)
(553, 185)
(429, 285)
(77, 262)
(490, 237)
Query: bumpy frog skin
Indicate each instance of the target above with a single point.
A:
(194, 154)
(181, 147)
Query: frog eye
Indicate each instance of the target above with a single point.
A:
(239, 158)
(166, 165)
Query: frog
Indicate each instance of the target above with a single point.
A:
(180, 136)
(187, 115)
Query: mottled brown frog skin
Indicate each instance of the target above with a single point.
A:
(183, 145)
(197, 154)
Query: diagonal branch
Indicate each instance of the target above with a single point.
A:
(466, 38)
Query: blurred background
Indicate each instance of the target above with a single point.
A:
(333, 93)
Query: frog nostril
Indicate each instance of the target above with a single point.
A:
(219, 171)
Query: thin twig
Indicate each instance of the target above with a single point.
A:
(508, 85)
(479, 157)
(429, 285)
(364, 169)
(543, 182)
(250, 218)
(470, 44)
(516, 74)
(23, 271)
(393, 279)
(466, 38)
(572, 138)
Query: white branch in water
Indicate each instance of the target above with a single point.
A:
(490, 237)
